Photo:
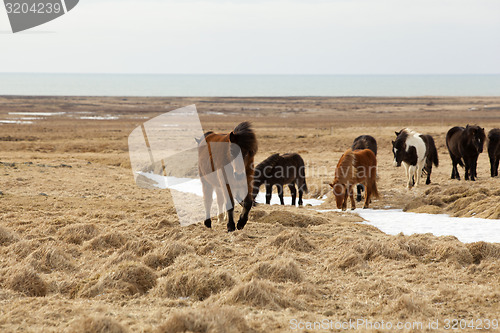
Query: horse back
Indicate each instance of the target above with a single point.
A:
(453, 139)
(365, 142)
(494, 142)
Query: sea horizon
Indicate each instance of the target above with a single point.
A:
(249, 85)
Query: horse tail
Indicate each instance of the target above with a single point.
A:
(432, 157)
(374, 188)
(302, 175)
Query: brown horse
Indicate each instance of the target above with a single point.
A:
(224, 161)
(355, 167)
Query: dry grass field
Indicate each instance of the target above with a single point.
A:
(84, 249)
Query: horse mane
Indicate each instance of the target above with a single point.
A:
(246, 137)
(345, 167)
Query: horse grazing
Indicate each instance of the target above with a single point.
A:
(215, 153)
(464, 146)
(417, 153)
(364, 142)
(355, 167)
(281, 170)
(494, 150)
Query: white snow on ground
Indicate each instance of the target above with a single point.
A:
(107, 117)
(466, 229)
(47, 114)
(189, 185)
(390, 221)
(15, 122)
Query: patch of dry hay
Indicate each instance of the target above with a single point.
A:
(260, 294)
(23, 248)
(292, 240)
(482, 250)
(50, 258)
(289, 219)
(165, 256)
(198, 284)
(281, 270)
(26, 281)
(107, 241)
(452, 251)
(78, 233)
(410, 305)
(348, 259)
(213, 320)
(126, 278)
(96, 325)
(6, 236)
(139, 247)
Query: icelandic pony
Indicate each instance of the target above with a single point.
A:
(355, 167)
(417, 153)
(431, 155)
(364, 142)
(215, 153)
(281, 170)
(464, 146)
(494, 150)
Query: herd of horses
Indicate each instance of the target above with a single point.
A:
(357, 167)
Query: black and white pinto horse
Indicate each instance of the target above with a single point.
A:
(364, 142)
(417, 153)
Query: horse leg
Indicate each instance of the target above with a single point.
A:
(428, 180)
(473, 170)
(207, 200)
(497, 160)
(359, 189)
(418, 172)
(344, 202)
(280, 193)
(293, 190)
(247, 205)
(269, 192)
(301, 192)
(411, 175)
(221, 212)
(230, 214)
(368, 193)
(467, 168)
(351, 195)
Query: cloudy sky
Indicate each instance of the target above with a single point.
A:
(261, 37)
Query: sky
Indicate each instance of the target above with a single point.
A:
(261, 37)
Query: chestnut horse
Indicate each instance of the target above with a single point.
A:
(218, 163)
(355, 167)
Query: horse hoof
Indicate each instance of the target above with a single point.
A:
(208, 223)
(230, 228)
(358, 198)
(241, 225)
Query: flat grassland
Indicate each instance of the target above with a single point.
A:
(84, 249)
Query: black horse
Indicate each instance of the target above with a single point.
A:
(364, 142)
(279, 170)
(494, 150)
(465, 145)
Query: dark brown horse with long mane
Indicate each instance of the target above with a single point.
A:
(224, 161)
(355, 167)
(464, 146)
(494, 150)
(281, 170)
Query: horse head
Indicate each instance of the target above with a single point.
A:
(398, 149)
(476, 136)
(339, 192)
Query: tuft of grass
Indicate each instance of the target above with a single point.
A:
(96, 325)
(213, 320)
(259, 294)
(281, 270)
(78, 233)
(165, 256)
(26, 281)
(198, 284)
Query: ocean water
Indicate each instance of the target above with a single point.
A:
(248, 85)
